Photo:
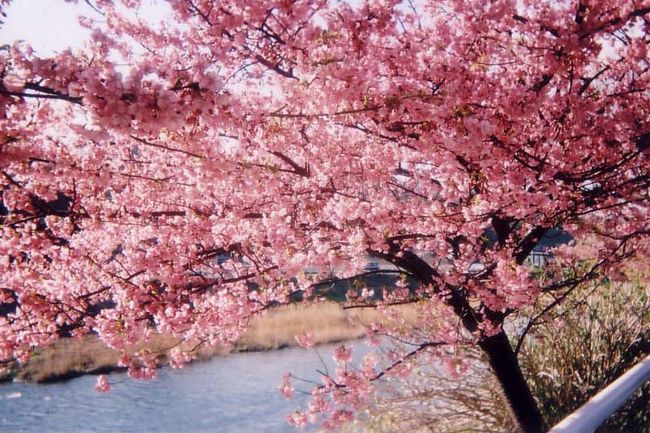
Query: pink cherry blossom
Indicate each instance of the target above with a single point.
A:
(287, 389)
(102, 384)
(305, 339)
(343, 354)
(258, 148)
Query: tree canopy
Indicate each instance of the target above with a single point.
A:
(447, 138)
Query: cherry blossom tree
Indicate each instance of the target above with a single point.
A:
(447, 138)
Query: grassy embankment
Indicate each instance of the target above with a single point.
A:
(328, 322)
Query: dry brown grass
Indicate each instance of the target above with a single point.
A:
(327, 322)
(71, 357)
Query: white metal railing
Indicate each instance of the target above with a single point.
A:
(593, 413)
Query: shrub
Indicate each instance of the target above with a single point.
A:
(583, 344)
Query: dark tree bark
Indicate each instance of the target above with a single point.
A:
(506, 368)
(499, 352)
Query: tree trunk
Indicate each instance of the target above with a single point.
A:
(497, 347)
(506, 368)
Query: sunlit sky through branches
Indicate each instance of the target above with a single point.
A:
(51, 26)
(47, 25)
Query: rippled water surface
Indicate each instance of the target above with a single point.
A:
(236, 393)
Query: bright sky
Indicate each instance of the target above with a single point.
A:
(51, 25)
(47, 25)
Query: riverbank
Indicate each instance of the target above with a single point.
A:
(327, 322)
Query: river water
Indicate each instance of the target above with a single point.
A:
(231, 394)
